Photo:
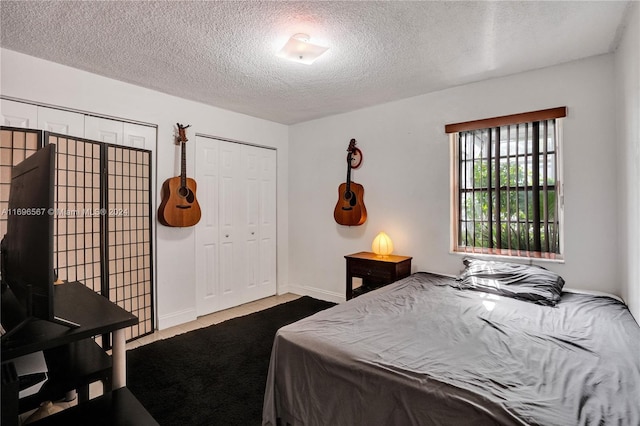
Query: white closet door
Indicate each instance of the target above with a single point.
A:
(260, 229)
(267, 282)
(103, 130)
(235, 239)
(138, 136)
(207, 248)
(120, 133)
(232, 212)
(251, 228)
(18, 114)
(59, 121)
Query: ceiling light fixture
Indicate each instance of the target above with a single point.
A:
(299, 49)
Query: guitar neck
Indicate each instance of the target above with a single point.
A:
(349, 172)
(183, 165)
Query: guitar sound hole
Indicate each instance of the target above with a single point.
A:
(183, 191)
(347, 195)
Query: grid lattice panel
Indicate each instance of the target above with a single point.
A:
(15, 146)
(77, 208)
(89, 217)
(129, 234)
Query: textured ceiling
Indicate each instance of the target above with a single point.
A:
(223, 53)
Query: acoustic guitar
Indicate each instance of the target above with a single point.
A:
(350, 209)
(179, 206)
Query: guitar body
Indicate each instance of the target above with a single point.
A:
(179, 206)
(350, 209)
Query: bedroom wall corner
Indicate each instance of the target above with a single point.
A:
(627, 73)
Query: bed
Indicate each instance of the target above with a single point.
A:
(428, 351)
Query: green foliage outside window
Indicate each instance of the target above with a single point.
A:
(516, 210)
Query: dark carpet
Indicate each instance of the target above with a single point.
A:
(215, 375)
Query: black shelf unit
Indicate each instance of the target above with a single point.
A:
(74, 360)
(71, 367)
(117, 408)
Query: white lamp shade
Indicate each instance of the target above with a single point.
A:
(298, 49)
(382, 245)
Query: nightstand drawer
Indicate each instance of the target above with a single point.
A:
(369, 269)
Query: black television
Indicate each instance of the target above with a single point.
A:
(27, 247)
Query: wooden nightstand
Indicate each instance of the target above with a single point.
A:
(375, 271)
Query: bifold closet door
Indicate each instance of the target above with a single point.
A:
(18, 114)
(235, 239)
(29, 116)
(259, 173)
(207, 177)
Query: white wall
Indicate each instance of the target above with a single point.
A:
(405, 174)
(405, 171)
(627, 77)
(33, 79)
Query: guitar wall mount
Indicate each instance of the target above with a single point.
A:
(356, 158)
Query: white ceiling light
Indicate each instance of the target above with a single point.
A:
(298, 49)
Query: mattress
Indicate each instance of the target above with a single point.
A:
(420, 352)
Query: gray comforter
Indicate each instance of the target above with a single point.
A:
(419, 352)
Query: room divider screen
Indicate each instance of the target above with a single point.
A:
(103, 233)
(128, 233)
(15, 146)
(78, 231)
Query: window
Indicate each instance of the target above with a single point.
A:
(507, 192)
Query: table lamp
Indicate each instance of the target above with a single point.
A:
(382, 245)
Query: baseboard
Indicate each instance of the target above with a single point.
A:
(316, 293)
(176, 318)
(283, 289)
(181, 317)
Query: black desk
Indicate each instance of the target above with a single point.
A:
(75, 302)
(96, 316)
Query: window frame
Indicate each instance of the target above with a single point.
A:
(490, 124)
